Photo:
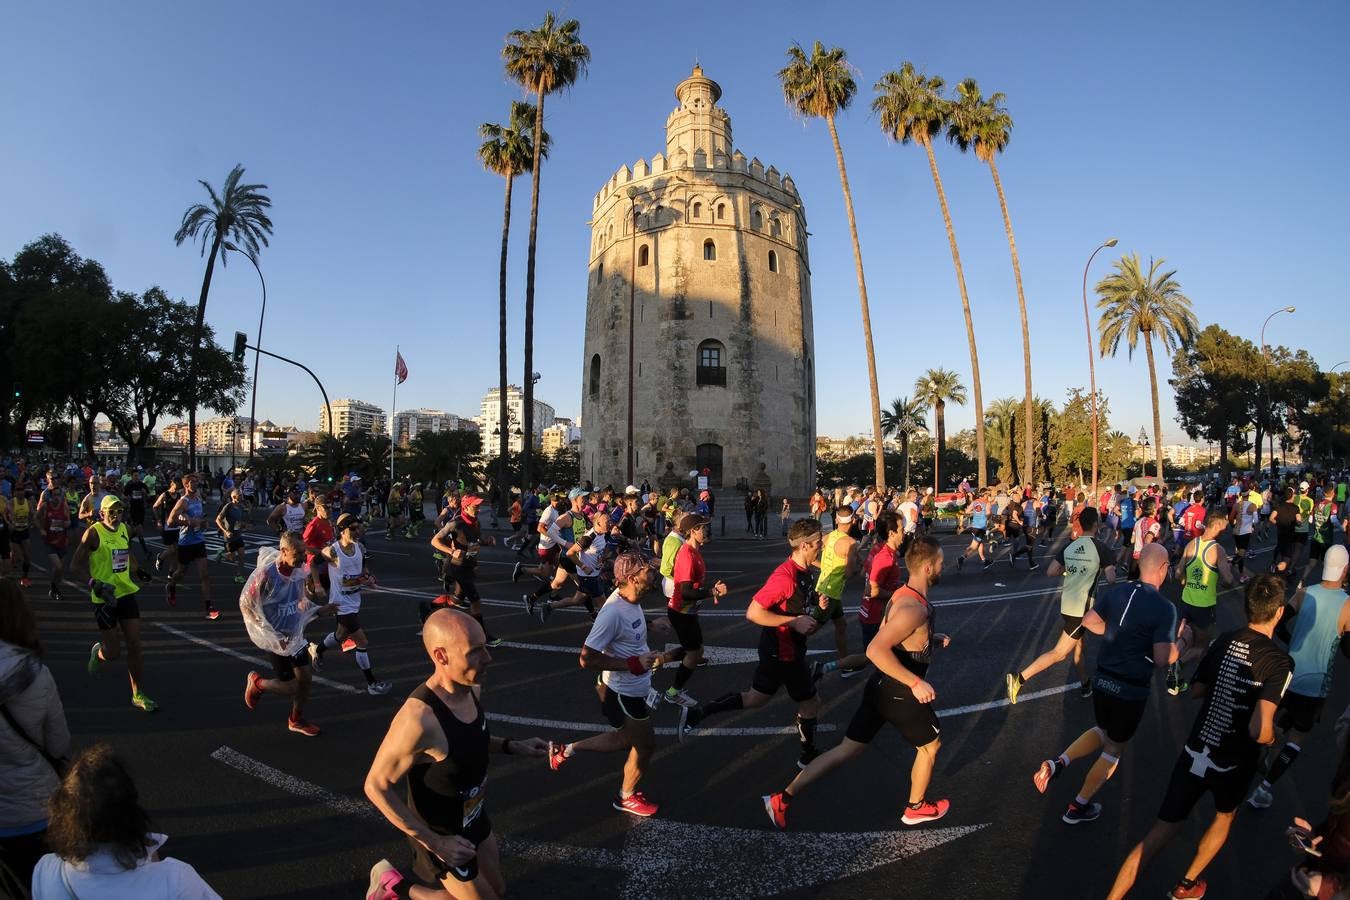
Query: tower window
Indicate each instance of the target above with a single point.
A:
(711, 364)
(709, 250)
(773, 261)
(594, 380)
(721, 211)
(757, 220)
(775, 227)
(643, 255)
(698, 210)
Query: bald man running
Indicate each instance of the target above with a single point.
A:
(440, 740)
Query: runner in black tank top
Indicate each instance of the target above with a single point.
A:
(448, 795)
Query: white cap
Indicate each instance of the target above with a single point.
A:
(1333, 564)
(630, 490)
(1303, 485)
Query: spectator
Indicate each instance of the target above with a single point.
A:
(102, 846)
(33, 737)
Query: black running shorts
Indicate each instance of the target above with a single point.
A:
(1073, 626)
(618, 709)
(1118, 718)
(1299, 712)
(284, 666)
(886, 700)
(688, 630)
(110, 615)
(1201, 617)
(1185, 788)
(771, 674)
(189, 553)
(347, 623)
(459, 582)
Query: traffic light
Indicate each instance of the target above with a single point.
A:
(240, 339)
(18, 391)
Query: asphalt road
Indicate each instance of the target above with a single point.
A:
(262, 812)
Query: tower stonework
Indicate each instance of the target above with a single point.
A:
(701, 255)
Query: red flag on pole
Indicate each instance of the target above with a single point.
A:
(400, 368)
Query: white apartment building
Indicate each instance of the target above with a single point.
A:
(352, 415)
(410, 422)
(490, 416)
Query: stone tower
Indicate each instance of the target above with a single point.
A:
(699, 348)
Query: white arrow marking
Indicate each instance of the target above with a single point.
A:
(735, 863)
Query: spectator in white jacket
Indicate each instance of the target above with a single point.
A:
(32, 732)
(102, 846)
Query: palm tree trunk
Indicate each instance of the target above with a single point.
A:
(527, 388)
(970, 324)
(1022, 308)
(503, 480)
(197, 327)
(904, 456)
(940, 423)
(877, 448)
(1157, 416)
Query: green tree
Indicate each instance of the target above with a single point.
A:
(508, 151)
(1070, 442)
(235, 219)
(983, 125)
(543, 61)
(821, 86)
(903, 420)
(439, 455)
(933, 389)
(1002, 429)
(1295, 385)
(1150, 305)
(1217, 391)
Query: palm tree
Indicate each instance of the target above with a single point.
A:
(985, 126)
(820, 87)
(911, 108)
(932, 390)
(543, 61)
(1001, 420)
(904, 419)
(1151, 305)
(236, 219)
(508, 151)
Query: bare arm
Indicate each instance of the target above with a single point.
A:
(1262, 724)
(1056, 569)
(596, 661)
(275, 517)
(1094, 623)
(439, 543)
(88, 544)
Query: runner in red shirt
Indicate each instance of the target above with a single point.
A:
(780, 609)
(55, 519)
(883, 577)
(682, 608)
(1193, 519)
(319, 534)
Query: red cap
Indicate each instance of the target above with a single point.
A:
(469, 500)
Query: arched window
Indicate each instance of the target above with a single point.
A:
(757, 220)
(609, 232)
(698, 210)
(709, 250)
(721, 211)
(594, 381)
(599, 272)
(708, 457)
(712, 368)
(775, 227)
(643, 256)
(773, 261)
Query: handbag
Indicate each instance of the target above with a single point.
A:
(59, 766)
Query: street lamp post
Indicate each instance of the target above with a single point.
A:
(1265, 359)
(253, 402)
(1143, 451)
(1092, 366)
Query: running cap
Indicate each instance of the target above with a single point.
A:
(1333, 564)
(347, 520)
(559, 495)
(1132, 490)
(469, 501)
(1303, 485)
(840, 517)
(574, 493)
(109, 502)
(631, 489)
(703, 495)
(356, 477)
(690, 521)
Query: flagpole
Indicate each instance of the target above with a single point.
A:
(393, 437)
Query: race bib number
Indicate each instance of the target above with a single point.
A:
(120, 559)
(473, 804)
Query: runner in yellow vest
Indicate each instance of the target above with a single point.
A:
(1202, 565)
(838, 563)
(106, 548)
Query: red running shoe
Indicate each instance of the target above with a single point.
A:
(776, 806)
(1181, 892)
(928, 811)
(1048, 770)
(556, 755)
(303, 726)
(212, 613)
(636, 804)
(252, 690)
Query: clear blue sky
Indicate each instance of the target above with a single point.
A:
(1208, 133)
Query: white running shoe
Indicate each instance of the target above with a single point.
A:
(680, 699)
(378, 689)
(1261, 798)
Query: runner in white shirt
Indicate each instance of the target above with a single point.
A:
(1244, 517)
(587, 556)
(347, 575)
(617, 649)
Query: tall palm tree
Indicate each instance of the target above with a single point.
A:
(911, 108)
(235, 219)
(543, 61)
(508, 151)
(932, 390)
(1001, 419)
(820, 87)
(904, 419)
(1152, 305)
(984, 125)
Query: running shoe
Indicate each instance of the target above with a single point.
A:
(529, 601)
(1014, 685)
(252, 689)
(557, 755)
(240, 579)
(1048, 771)
(636, 804)
(220, 556)
(776, 806)
(689, 719)
(1034, 567)
(516, 572)
(384, 879)
(212, 613)
(701, 663)
(53, 593)
(1076, 815)
(1085, 690)
(95, 661)
(303, 726)
(25, 581)
(378, 688)
(808, 754)
(988, 565)
(851, 671)
(542, 611)
(817, 671)
(1183, 891)
(142, 702)
(173, 595)
(315, 656)
(960, 563)
(1261, 797)
(679, 698)
(493, 641)
(927, 811)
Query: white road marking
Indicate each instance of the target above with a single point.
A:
(290, 784)
(995, 704)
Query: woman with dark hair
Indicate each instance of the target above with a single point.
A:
(32, 731)
(102, 846)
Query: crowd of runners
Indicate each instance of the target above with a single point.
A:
(1260, 688)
